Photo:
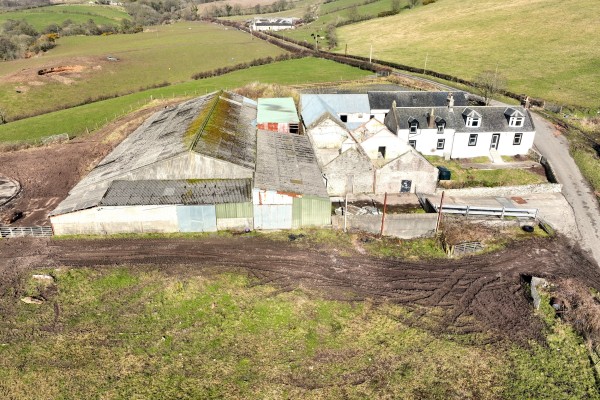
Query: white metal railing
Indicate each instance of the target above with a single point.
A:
(501, 212)
(21, 231)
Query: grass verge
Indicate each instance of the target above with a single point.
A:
(131, 332)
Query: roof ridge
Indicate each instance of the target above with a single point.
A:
(205, 122)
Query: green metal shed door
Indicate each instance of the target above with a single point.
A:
(311, 211)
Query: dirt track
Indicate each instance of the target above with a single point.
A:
(482, 294)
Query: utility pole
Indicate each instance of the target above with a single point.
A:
(371, 53)
(425, 67)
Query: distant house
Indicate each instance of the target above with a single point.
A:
(289, 190)
(278, 115)
(381, 101)
(464, 132)
(272, 24)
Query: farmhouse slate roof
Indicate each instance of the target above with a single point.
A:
(187, 192)
(279, 109)
(382, 100)
(493, 119)
(288, 164)
(220, 125)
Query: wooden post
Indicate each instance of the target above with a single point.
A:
(346, 213)
(439, 218)
(383, 216)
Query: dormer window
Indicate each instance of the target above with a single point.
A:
(344, 117)
(516, 118)
(516, 121)
(473, 122)
(441, 124)
(413, 125)
(472, 118)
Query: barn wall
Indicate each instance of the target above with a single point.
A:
(410, 166)
(111, 220)
(311, 211)
(327, 135)
(351, 172)
(235, 216)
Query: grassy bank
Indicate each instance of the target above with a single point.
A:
(542, 58)
(41, 17)
(162, 54)
(74, 121)
(133, 332)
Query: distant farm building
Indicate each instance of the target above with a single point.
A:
(278, 115)
(272, 24)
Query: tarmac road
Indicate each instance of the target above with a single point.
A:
(579, 194)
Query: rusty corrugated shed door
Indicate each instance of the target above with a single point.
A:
(311, 211)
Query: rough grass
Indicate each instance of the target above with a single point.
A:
(546, 48)
(166, 53)
(463, 177)
(132, 332)
(74, 121)
(41, 17)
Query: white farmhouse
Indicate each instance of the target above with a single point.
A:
(464, 132)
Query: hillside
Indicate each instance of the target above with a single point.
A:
(545, 48)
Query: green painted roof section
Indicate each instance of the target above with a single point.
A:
(277, 109)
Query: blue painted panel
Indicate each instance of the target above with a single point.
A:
(273, 216)
(197, 218)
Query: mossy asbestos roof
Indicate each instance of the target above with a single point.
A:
(220, 125)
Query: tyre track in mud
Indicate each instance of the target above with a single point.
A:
(480, 294)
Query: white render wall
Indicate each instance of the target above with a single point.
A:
(327, 135)
(427, 140)
(393, 146)
(461, 148)
(111, 220)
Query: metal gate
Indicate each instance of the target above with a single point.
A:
(21, 231)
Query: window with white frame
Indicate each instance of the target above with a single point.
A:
(440, 144)
(412, 143)
(516, 121)
(473, 122)
(517, 139)
(440, 127)
(473, 140)
(414, 125)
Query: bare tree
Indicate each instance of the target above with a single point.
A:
(488, 84)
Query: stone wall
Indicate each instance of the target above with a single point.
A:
(502, 191)
(403, 226)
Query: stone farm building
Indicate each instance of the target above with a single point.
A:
(188, 168)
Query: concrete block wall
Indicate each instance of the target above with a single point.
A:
(502, 191)
(403, 226)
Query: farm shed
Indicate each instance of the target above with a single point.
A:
(289, 191)
(352, 110)
(278, 115)
(165, 206)
(211, 137)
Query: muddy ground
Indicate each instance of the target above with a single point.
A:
(47, 173)
(482, 296)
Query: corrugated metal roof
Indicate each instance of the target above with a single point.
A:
(226, 131)
(315, 105)
(188, 192)
(493, 119)
(277, 109)
(287, 163)
(382, 100)
(229, 133)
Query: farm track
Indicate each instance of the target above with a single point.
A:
(481, 295)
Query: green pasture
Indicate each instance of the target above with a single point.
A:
(169, 53)
(91, 116)
(43, 16)
(133, 332)
(328, 15)
(546, 48)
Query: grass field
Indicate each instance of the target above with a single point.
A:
(75, 120)
(131, 332)
(43, 16)
(170, 53)
(546, 48)
(470, 177)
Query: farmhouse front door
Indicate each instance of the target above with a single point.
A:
(495, 141)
